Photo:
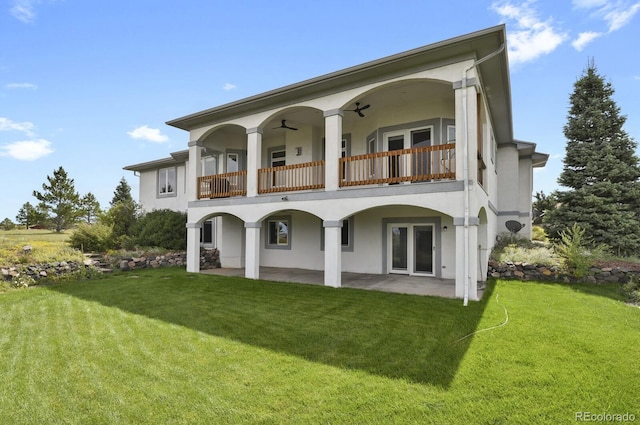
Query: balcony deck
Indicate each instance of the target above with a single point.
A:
(424, 164)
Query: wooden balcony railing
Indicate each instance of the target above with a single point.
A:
(285, 178)
(222, 185)
(404, 165)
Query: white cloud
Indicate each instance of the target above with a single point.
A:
(583, 39)
(27, 150)
(229, 86)
(532, 37)
(149, 134)
(7, 125)
(23, 10)
(615, 13)
(621, 16)
(21, 86)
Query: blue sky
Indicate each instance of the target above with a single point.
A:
(89, 85)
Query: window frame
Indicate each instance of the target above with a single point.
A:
(166, 172)
(267, 232)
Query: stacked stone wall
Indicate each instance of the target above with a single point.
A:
(209, 259)
(526, 271)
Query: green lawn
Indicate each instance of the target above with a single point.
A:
(166, 347)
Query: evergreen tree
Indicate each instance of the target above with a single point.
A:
(601, 170)
(28, 215)
(122, 193)
(542, 205)
(60, 199)
(7, 224)
(90, 207)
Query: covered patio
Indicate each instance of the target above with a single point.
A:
(396, 283)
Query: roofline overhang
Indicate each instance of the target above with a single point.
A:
(494, 75)
(528, 150)
(177, 158)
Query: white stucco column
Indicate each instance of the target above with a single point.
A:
(466, 109)
(333, 147)
(254, 159)
(193, 247)
(252, 250)
(470, 256)
(194, 170)
(333, 253)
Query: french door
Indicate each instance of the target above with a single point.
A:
(415, 164)
(411, 249)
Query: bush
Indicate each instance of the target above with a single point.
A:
(92, 237)
(572, 247)
(539, 234)
(631, 290)
(162, 228)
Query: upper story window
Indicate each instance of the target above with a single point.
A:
(209, 166)
(451, 133)
(167, 181)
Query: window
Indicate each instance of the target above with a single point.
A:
(167, 181)
(233, 162)
(209, 166)
(208, 232)
(451, 133)
(344, 237)
(278, 158)
(278, 233)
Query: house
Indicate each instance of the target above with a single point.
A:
(406, 164)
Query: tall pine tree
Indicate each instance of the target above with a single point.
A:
(60, 199)
(601, 170)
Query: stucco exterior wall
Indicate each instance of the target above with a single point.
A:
(151, 200)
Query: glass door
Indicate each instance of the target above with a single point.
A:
(399, 251)
(423, 248)
(411, 249)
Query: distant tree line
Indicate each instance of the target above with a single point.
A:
(122, 225)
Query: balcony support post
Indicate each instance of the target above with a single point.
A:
(193, 247)
(252, 250)
(254, 159)
(333, 147)
(332, 253)
(194, 170)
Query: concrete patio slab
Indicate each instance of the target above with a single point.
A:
(397, 283)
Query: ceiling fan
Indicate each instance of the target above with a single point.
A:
(358, 110)
(284, 125)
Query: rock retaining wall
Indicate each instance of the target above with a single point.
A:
(525, 271)
(209, 259)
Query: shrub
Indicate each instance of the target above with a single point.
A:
(539, 234)
(162, 228)
(22, 280)
(631, 289)
(573, 248)
(92, 237)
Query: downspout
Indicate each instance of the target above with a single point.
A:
(465, 174)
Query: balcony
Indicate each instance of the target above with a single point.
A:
(406, 165)
(287, 178)
(222, 185)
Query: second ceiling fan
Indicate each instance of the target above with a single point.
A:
(285, 126)
(358, 109)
